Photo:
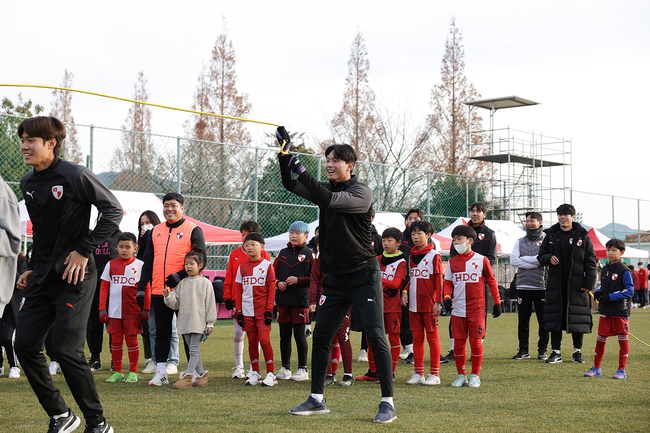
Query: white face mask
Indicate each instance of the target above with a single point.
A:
(461, 249)
(147, 227)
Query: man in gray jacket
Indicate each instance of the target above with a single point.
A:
(531, 285)
(9, 243)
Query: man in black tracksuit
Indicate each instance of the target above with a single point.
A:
(348, 259)
(59, 290)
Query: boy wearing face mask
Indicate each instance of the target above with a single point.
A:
(464, 295)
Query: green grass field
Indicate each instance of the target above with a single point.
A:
(527, 395)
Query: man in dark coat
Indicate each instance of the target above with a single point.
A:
(569, 253)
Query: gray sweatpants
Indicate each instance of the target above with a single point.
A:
(194, 364)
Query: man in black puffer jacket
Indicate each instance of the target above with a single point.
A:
(569, 253)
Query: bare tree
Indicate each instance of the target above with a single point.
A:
(62, 110)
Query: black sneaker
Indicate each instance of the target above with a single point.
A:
(370, 376)
(95, 364)
(310, 407)
(330, 379)
(577, 358)
(103, 427)
(555, 358)
(448, 358)
(112, 366)
(64, 424)
(308, 333)
(347, 380)
(522, 354)
(386, 413)
(542, 355)
(409, 359)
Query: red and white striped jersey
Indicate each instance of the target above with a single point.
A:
(425, 286)
(120, 286)
(392, 277)
(254, 288)
(465, 277)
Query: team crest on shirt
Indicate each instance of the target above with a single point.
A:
(475, 265)
(392, 268)
(57, 191)
(539, 243)
(22, 302)
(321, 301)
(614, 277)
(571, 241)
(580, 242)
(180, 235)
(135, 271)
(481, 236)
(301, 257)
(261, 272)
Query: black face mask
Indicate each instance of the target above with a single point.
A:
(534, 234)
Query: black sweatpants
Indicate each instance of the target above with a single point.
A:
(7, 334)
(164, 316)
(62, 308)
(95, 333)
(340, 291)
(526, 299)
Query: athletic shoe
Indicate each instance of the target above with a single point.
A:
(150, 367)
(460, 380)
(432, 379)
(239, 373)
(308, 333)
(250, 372)
(416, 379)
(2, 370)
(64, 424)
(329, 379)
(116, 377)
(555, 358)
(172, 368)
(159, 379)
(132, 377)
(54, 368)
(386, 413)
(577, 358)
(95, 364)
(363, 356)
(593, 372)
(103, 427)
(448, 358)
(474, 381)
(112, 366)
(347, 380)
(269, 380)
(283, 374)
(409, 359)
(620, 374)
(541, 355)
(522, 354)
(254, 379)
(370, 376)
(14, 373)
(404, 354)
(310, 407)
(300, 375)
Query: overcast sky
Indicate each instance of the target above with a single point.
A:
(586, 62)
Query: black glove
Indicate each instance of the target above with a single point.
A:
(283, 138)
(598, 296)
(268, 318)
(295, 165)
(228, 303)
(448, 303)
(139, 297)
(240, 320)
(391, 292)
(496, 311)
(173, 280)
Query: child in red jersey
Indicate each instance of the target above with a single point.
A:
(119, 287)
(465, 296)
(254, 294)
(424, 296)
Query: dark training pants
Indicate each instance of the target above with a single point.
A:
(526, 299)
(164, 316)
(362, 288)
(95, 333)
(62, 308)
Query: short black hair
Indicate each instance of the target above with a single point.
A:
(423, 226)
(616, 243)
(197, 255)
(45, 127)
(392, 232)
(463, 230)
(479, 205)
(174, 196)
(250, 226)
(631, 267)
(372, 213)
(344, 152)
(254, 236)
(127, 236)
(534, 215)
(414, 210)
(566, 209)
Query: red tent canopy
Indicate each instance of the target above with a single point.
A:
(599, 240)
(216, 235)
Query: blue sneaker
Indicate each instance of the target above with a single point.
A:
(310, 407)
(620, 374)
(593, 372)
(386, 413)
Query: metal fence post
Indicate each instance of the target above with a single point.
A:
(256, 186)
(92, 133)
(320, 163)
(638, 233)
(428, 193)
(178, 164)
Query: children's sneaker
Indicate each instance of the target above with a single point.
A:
(308, 333)
(474, 381)
(541, 355)
(172, 369)
(432, 379)
(460, 380)
(416, 379)
(283, 374)
(577, 358)
(347, 380)
(593, 372)
(329, 379)
(150, 367)
(116, 377)
(159, 379)
(386, 413)
(64, 424)
(363, 356)
(132, 377)
(370, 376)
(95, 364)
(239, 372)
(522, 354)
(102, 427)
(55, 368)
(555, 358)
(301, 375)
(269, 380)
(254, 379)
(14, 373)
(409, 359)
(447, 358)
(310, 407)
(404, 354)
(620, 374)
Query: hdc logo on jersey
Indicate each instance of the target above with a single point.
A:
(387, 276)
(57, 191)
(466, 276)
(481, 236)
(123, 281)
(301, 257)
(254, 281)
(419, 273)
(614, 277)
(180, 235)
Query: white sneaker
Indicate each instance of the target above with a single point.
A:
(284, 374)
(415, 379)
(54, 368)
(2, 370)
(269, 380)
(250, 371)
(14, 373)
(404, 354)
(254, 379)
(172, 368)
(363, 356)
(300, 375)
(239, 373)
(159, 379)
(432, 379)
(150, 367)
